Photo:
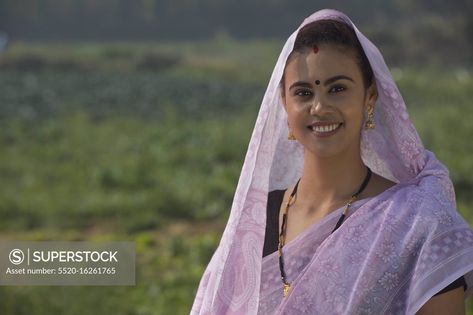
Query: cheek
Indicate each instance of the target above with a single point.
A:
(355, 113)
(354, 120)
(352, 109)
(294, 109)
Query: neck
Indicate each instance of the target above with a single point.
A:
(329, 181)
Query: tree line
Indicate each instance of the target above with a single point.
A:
(437, 24)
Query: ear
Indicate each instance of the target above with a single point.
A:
(371, 95)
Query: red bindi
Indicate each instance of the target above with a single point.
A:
(315, 49)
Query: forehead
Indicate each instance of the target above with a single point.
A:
(328, 61)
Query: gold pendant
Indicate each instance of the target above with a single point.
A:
(286, 289)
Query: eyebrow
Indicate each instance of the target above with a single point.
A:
(327, 82)
(337, 77)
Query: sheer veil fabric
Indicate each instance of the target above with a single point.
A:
(391, 255)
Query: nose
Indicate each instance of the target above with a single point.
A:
(317, 106)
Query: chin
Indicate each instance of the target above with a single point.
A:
(330, 149)
(325, 152)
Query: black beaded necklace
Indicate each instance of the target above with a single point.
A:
(282, 235)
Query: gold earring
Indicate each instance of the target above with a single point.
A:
(370, 122)
(290, 135)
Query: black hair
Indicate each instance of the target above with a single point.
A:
(335, 33)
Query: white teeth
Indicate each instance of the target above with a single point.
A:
(325, 128)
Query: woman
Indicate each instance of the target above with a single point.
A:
(339, 209)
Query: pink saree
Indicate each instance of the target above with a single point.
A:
(391, 255)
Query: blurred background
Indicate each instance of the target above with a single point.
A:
(130, 120)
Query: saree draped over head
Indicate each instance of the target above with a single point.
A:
(391, 255)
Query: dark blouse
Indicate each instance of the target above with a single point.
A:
(275, 198)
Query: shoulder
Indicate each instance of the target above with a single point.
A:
(276, 194)
(424, 205)
(275, 198)
(377, 185)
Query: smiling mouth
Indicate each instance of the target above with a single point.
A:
(325, 129)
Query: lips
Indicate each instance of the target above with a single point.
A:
(324, 126)
(324, 129)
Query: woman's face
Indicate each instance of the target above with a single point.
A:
(325, 100)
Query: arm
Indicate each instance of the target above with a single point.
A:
(451, 303)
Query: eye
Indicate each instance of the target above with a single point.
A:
(337, 89)
(302, 93)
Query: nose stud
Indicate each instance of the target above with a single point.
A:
(317, 82)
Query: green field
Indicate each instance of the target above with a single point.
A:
(145, 143)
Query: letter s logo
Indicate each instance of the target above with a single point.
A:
(16, 256)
